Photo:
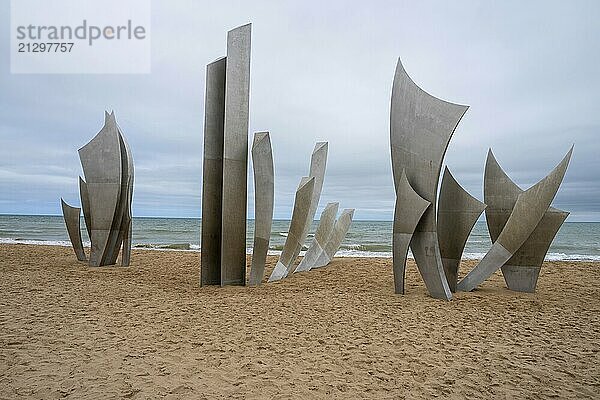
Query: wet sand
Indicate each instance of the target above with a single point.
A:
(150, 331)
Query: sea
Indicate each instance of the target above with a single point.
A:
(576, 241)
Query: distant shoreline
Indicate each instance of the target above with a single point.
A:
(252, 219)
(345, 255)
(370, 239)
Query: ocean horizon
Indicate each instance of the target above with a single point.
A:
(576, 241)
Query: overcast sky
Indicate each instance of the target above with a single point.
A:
(322, 71)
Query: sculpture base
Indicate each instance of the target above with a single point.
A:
(279, 272)
(425, 249)
(521, 278)
(401, 241)
(490, 263)
(451, 269)
(310, 258)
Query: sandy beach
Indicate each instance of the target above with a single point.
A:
(150, 331)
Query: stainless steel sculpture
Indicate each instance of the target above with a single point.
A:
(409, 209)
(107, 193)
(224, 203)
(262, 162)
(338, 234)
(73, 223)
(235, 157)
(318, 164)
(420, 129)
(302, 202)
(522, 270)
(457, 213)
(527, 212)
(322, 235)
(212, 173)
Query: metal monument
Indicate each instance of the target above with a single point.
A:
(72, 219)
(522, 225)
(318, 164)
(304, 195)
(106, 195)
(457, 213)
(303, 220)
(322, 235)
(262, 162)
(224, 186)
(412, 207)
(340, 229)
(420, 130)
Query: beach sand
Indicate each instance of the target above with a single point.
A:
(150, 331)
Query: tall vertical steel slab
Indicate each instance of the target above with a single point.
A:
(304, 195)
(457, 213)
(421, 126)
(322, 235)
(262, 162)
(212, 173)
(409, 209)
(235, 157)
(73, 223)
(528, 211)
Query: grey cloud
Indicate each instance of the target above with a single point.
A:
(323, 71)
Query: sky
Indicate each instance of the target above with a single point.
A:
(322, 71)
